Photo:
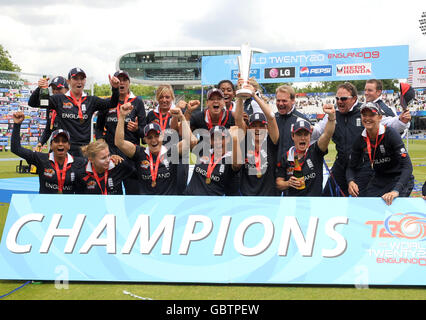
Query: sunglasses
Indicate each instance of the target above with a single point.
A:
(343, 99)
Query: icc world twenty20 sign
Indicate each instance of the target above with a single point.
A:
(390, 62)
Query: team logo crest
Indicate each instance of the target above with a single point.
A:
(49, 173)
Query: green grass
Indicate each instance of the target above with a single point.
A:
(114, 291)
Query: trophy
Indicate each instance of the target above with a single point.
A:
(244, 62)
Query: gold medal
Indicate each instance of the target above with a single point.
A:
(153, 184)
(81, 121)
(208, 180)
(259, 175)
(59, 191)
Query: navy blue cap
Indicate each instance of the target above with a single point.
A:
(75, 71)
(122, 72)
(301, 124)
(58, 132)
(374, 107)
(213, 91)
(151, 126)
(59, 82)
(258, 116)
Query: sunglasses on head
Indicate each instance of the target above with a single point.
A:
(343, 99)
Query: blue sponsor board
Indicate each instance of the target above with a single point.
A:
(390, 62)
(253, 73)
(268, 240)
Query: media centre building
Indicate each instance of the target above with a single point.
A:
(178, 67)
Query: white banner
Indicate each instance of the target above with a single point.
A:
(417, 74)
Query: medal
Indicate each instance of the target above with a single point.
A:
(211, 167)
(81, 121)
(154, 168)
(60, 191)
(259, 175)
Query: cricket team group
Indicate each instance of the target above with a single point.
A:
(238, 146)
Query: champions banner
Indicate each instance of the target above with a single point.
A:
(390, 62)
(252, 240)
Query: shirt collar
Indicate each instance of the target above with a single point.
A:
(353, 106)
(68, 94)
(162, 151)
(70, 158)
(89, 167)
(381, 131)
(206, 118)
(157, 107)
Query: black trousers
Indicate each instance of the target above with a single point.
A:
(379, 185)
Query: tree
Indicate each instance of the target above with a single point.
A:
(6, 63)
(103, 90)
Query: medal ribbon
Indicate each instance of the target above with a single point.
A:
(163, 123)
(154, 169)
(257, 161)
(210, 122)
(98, 181)
(212, 165)
(119, 105)
(367, 139)
(61, 174)
(78, 103)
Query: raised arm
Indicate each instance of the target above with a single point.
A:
(325, 137)
(125, 146)
(191, 106)
(183, 145)
(273, 131)
(236, 135)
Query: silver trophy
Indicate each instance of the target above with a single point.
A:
(244, 63)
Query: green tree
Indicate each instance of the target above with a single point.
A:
(103, 90)
(141, 90)
(6, 61)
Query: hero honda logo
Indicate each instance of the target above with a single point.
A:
(315, 71)
(353, 69)
(408, 226)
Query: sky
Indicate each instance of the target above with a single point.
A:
(52, 37)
